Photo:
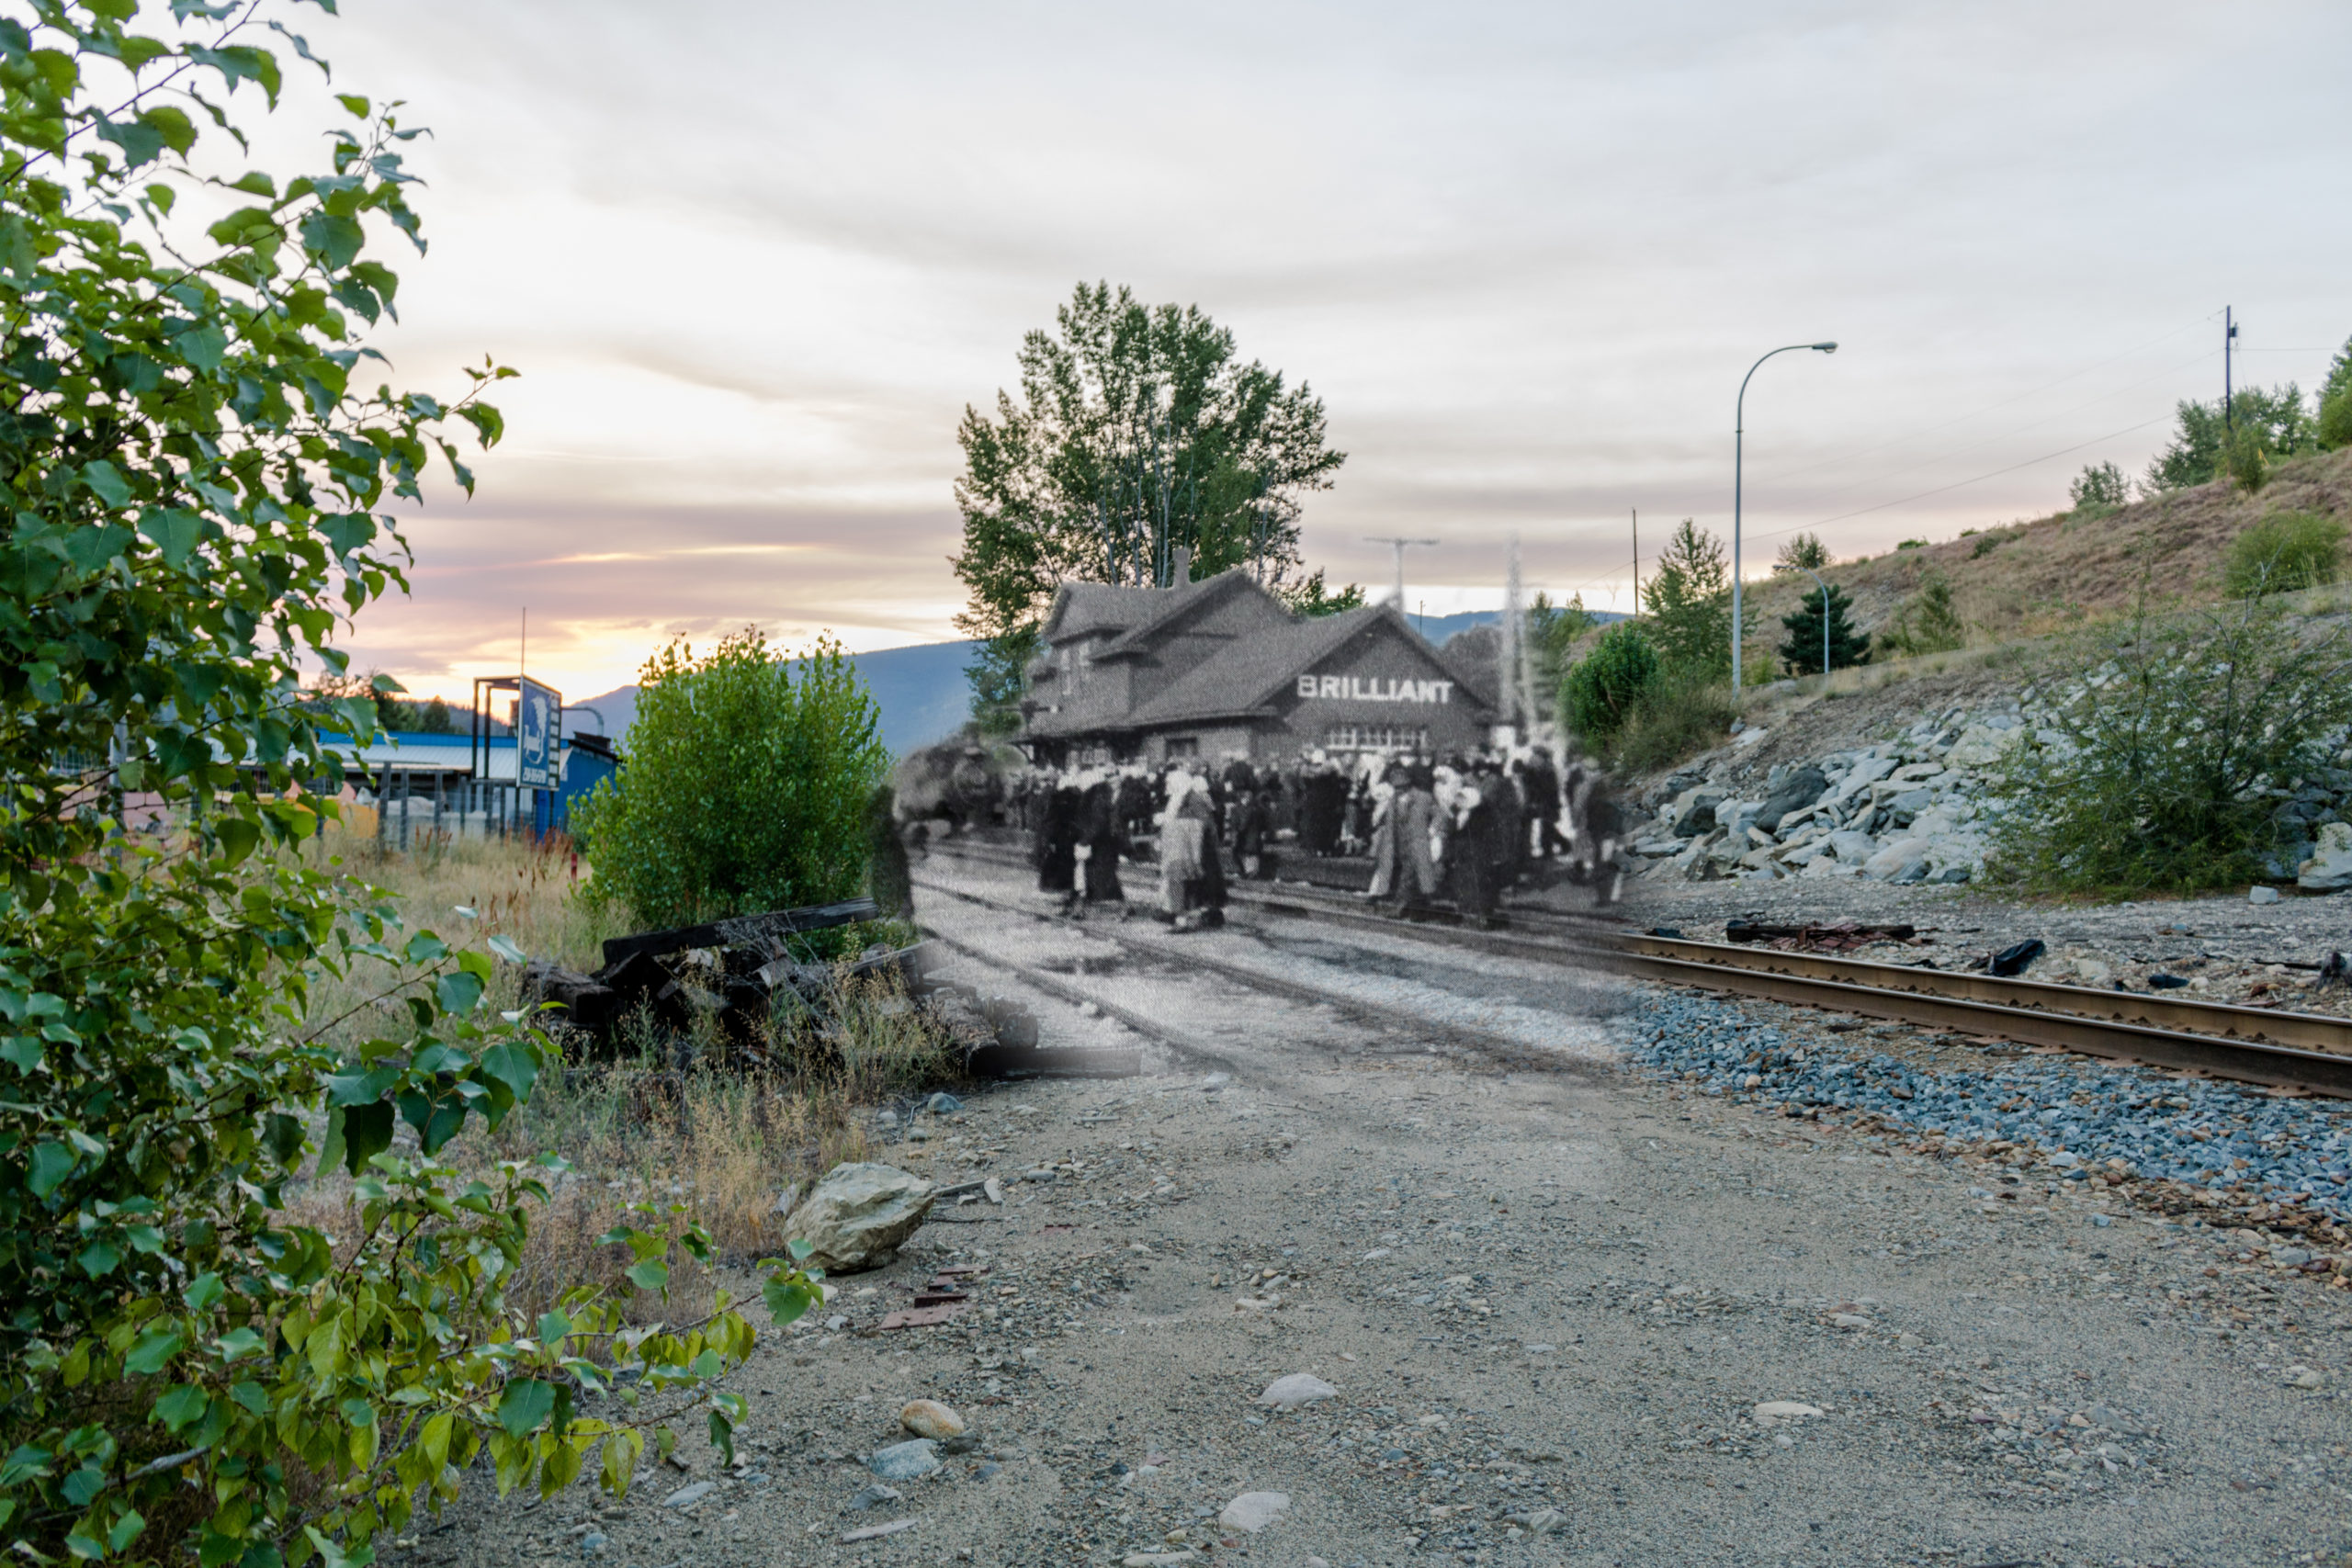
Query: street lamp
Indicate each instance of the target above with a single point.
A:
(1739, 441)
(1825, 617)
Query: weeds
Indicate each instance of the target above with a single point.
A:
(2284, 552)
(2175, 737)
(1674, 719)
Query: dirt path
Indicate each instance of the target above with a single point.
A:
(1550, 1301)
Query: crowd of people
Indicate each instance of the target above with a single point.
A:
(1458, 830)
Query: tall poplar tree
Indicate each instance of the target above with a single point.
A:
(1137, 432)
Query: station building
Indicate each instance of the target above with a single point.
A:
(1219, 667)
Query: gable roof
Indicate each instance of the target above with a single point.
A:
(1245, 677)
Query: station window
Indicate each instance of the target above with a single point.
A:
(1374, 738)
(1184, 746)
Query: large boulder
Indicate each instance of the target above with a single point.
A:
(857, 1215)
(1693, 811)
(2330, 868)
(1794, 793)
(1902, 862)
(1981, 745)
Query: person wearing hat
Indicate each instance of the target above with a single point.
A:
(1416, 817)
(1384, 833)
(1056, 850)
(1475, 853)
(1100, 839)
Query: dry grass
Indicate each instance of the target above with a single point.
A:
(679, 1130)
(2029, 579)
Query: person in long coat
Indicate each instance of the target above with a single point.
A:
(1101, 839)
(1384, 835)
(1183, 838)
(1416, 818)
(1252, 830)
(1478, 855)
(1056, 844)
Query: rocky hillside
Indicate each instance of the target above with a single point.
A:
(2027, 578)
(1917, 805)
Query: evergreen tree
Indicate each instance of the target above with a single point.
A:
(1931, 622)
(1801, 652)
(1688, 604)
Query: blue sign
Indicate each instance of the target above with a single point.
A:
(538, 719)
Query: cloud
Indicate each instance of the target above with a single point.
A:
(754, 260)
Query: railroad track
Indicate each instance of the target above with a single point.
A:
(2299, 1052)
(1495, 1049)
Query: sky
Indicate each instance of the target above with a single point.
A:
(753, 261)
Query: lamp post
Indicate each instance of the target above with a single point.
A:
(1738, 443)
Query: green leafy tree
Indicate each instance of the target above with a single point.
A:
(2272, 424)
(747, 787)
(1604, 688)
(1801, 652)
(1552, 630)
(2334, 427)
(434, 718)
(1688, 599)
(2100, 488)
(2163, 759)
(2284, 552)
(1928, 623)
(1802, 552)
(1307, 596)
(197, 482)
(1137, 432)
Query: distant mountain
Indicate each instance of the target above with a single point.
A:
(1442, 629)
(921, 692)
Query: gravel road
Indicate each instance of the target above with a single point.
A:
(1551, 1293)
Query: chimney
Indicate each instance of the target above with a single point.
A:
(1179, 569)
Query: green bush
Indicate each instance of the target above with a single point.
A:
(2284, 552)
(1603, 687)
(746, 784)
(2098, 489)
(197, 494)
(2156, 766)
(2335, 422)
(1673, 720)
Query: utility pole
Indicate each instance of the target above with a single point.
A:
(1398, 546)
(2229, 342)
(1637, 563)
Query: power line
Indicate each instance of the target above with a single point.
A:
(1959, 484)
(2005, 402)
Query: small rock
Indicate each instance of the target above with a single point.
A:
(2263, 896)
(1297, 1389)
(943, 1105)
(1545, 1521)
(929, 1418)
(1216, 1081)
(592, 1544)
(1849, 1320)
(905, 1461)
(872, 1532)
(872, 1495)
(1784, 1410)
(687, 1497)
(1155, 1559)
(2292, 1256)
(2306, 1377)
(1908, 1340)
(994, 1189)
(1253, 1511)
